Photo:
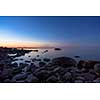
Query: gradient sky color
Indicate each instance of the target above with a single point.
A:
(49, 31)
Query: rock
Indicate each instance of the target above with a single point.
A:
(32, 79)
(80, 78)
(64, 61)
(91, 64)
(78, 81)
(77, 56)
(81, 64)
(20, 76)
(6, 73)
(57, 49)
(21, 81)
(42, 74)
(97, 69)
(88, 76)
(7, 81)
(15, 64)
(35, 50)
(52, 79)
(46, 59)
(67, 76)
(41, 64)
(23, 65)
(37, 55)
(96, 80)
(27, 61)
(17, 70)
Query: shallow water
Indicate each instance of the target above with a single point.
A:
(84, 53)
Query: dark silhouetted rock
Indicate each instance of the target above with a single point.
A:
(96, 80)
(57, 49)
(78, 81)
(35, 50)
(41, 64)
(20, 76)
(97, 69)
(46, 59)
(67, 76)
(32, 79)
(77, 56)
(64, 61)
(52, 79)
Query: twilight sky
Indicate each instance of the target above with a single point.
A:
(49, 31)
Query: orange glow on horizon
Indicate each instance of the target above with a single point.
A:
(24, 44)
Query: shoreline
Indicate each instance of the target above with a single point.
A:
(57, 70)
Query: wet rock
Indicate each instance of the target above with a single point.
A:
(17, 70)
(32, 79)
(38, 55)
(78, 81)
(23, 65)
(46, 59)
(20, 76)
(57, 49)
(21, 81)
(67, 76)
(41, 64)
(15, 64)
(91, 64)
(35, 50)
(80, 78)
(96, 80)
(6, 73)
(27, 61)
(77, 56)
(7, 81)
(97, 69)
(42, 74)
(45, 51)
(81, 64)
(52, 79)
(88, 76)
(64, 61)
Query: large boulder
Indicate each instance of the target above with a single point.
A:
(20, 76)
(64, 61)
(97, 69)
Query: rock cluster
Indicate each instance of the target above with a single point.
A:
(57, 70)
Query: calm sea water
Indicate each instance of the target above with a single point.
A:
(84, 53)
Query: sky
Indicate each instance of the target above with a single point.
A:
(25, 31)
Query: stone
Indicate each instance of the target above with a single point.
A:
(17, 70)
(78, 81)
(57, 49)
(6, 73)
(32, 79)
(88, 76)
(81, 64)
(52, 79)
(7, 81)
(96, 80)
(20, 76)
(64, 61)
(42, 74)
(67, 76)
(21, 81)
(46, 59)
(77, 56)
(41, 64)
(97, 69)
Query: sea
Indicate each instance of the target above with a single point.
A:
(83, 53)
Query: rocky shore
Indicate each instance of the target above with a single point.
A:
(57, 70)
